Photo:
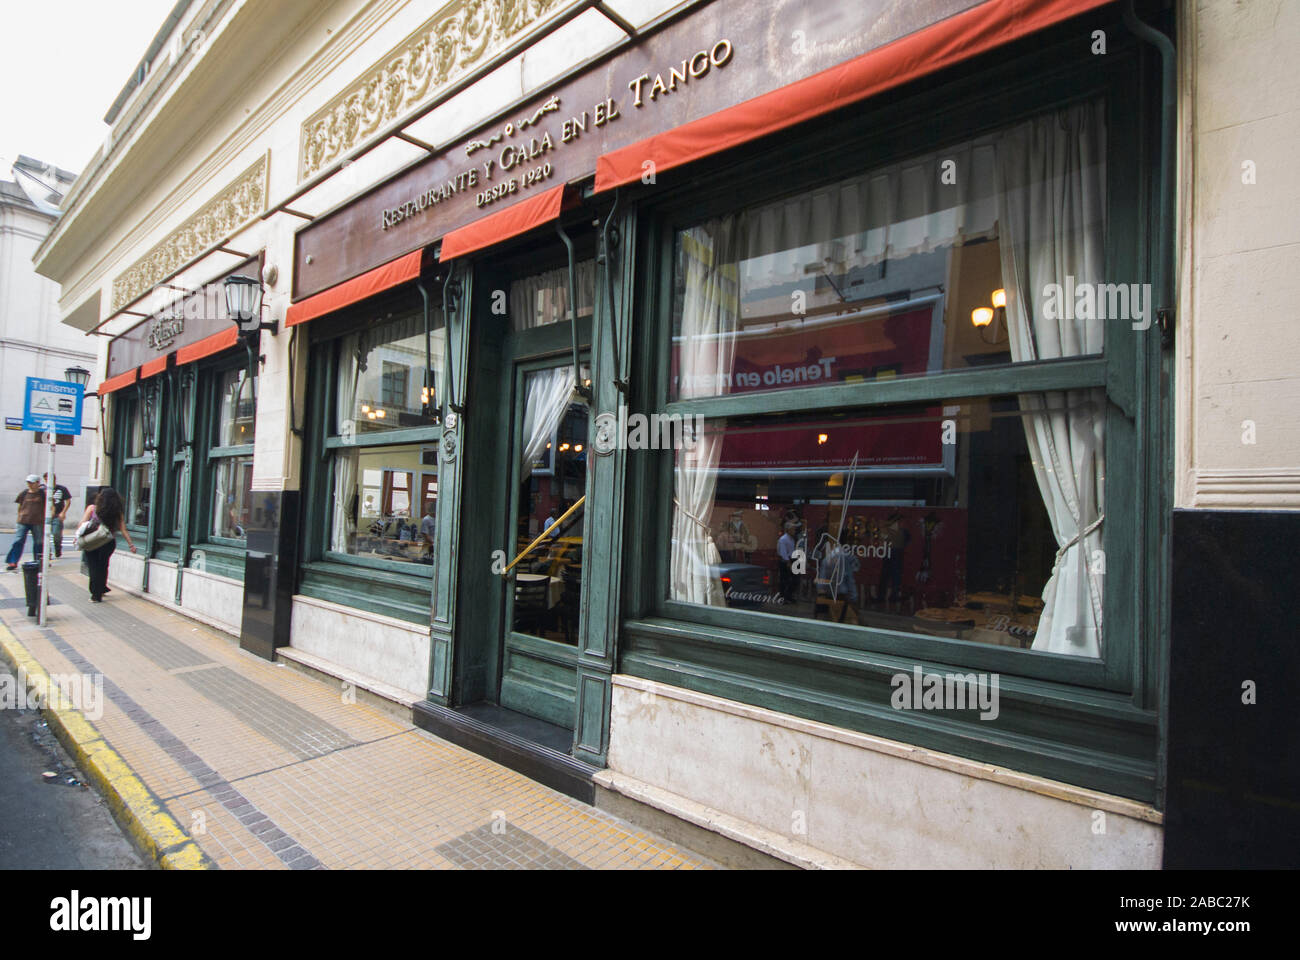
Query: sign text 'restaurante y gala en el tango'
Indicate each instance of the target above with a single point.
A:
(714, 58)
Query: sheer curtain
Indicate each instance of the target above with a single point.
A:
(345, 461)
(546, 397)
(711, 306)
(544, 297)
(1052, 212)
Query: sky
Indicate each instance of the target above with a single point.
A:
(61, 67)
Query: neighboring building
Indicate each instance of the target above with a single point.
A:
(32, 341)
(887, 277)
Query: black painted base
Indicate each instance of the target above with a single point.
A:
(1234, 766)
(270, 569)
(559, 771)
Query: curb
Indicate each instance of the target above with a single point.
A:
(153, 830)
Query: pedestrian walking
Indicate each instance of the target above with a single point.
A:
(785, 558)
(31, 519)
(61, 498)
(107, 512)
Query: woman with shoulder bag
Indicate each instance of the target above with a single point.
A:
(97, 538)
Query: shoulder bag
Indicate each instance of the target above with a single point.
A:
(92, 535)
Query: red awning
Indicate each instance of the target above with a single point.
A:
(157, 365)
(118, 382)
(208, 346)
(504, 224)
(948, 42)
(358, 288)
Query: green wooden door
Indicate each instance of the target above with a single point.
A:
(546, 534)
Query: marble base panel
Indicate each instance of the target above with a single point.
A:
(874, 802)
(391, 651)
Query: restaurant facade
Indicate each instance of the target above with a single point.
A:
(781, 425)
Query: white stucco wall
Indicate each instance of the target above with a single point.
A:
(1238, 403)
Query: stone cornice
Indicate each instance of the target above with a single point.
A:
(343, 43)
(460, 36)
(158, 83)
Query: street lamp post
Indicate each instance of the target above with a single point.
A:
(79, 376)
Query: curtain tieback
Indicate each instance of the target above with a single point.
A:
(1060, 554)
(690, 516)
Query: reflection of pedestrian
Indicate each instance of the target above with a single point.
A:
(784, 556)
(61, 500)
(31, 519)
(429, 524)
(891, 571)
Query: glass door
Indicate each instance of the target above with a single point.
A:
(547, 518)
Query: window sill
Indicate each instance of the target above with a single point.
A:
(222, 559)
(397, 594)
(399, 567)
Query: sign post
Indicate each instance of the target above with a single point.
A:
(52, 407)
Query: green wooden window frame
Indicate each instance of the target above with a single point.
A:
(1089, 722)
(133, 404)
(223, 556)
(178, 406)
(404, 591)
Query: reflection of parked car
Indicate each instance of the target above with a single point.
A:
(743, 584)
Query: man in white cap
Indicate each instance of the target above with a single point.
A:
(31, 519)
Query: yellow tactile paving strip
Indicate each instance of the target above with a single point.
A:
(292, 775)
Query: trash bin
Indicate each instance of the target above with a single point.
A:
(32, 585)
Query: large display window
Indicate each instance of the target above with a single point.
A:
(908, 396)
(230, 456)
(136, 441)
(372, 496)
(873, 279)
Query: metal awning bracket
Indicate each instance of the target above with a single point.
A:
(609, 239)
(572, 307)
(450, 305)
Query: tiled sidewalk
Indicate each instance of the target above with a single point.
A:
(267, 768)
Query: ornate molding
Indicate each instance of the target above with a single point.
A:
(460, 36)
(1262, 489)
(236, 205)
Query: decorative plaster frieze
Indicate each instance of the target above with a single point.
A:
(460, 36)
(241, 201)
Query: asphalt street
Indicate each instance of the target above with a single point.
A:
(51, 823)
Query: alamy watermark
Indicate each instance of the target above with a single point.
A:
(1098, 301)
(83, 692)
(639, 431)
(946, 691)
(76, 913)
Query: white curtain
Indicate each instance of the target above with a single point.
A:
(345, 461)
(546, 397)
(710, 309)
(544, 297)
(1052, 178)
